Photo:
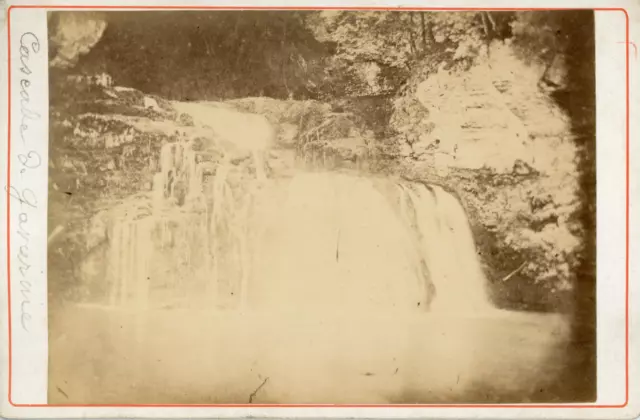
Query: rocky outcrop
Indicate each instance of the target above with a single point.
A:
(507, 149)
(491, 116)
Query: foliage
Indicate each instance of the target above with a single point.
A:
(377, 52)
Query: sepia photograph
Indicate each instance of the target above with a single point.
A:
(345, 207)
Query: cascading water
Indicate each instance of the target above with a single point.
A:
(339, 288)
(338, 241)
(185, 240)
(318, 240)
(448, 248)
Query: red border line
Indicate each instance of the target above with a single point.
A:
(9, 198)
(560, 406)
(627, 150)
(375, 8)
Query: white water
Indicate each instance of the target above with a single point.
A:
(338, 242)
(316, 242)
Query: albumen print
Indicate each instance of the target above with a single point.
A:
(321, 207)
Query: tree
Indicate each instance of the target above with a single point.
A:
(400, 44)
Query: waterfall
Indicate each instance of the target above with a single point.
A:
(185, 240)
(319, 279)
(337, 243)
(313, 280)
(448, 248)
(316, 241)
(336, 273)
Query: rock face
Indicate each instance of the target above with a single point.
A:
(508, 150)
(489, 117)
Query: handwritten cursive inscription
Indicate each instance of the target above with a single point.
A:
(29, 44)
(27, 202)
(28, 159)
